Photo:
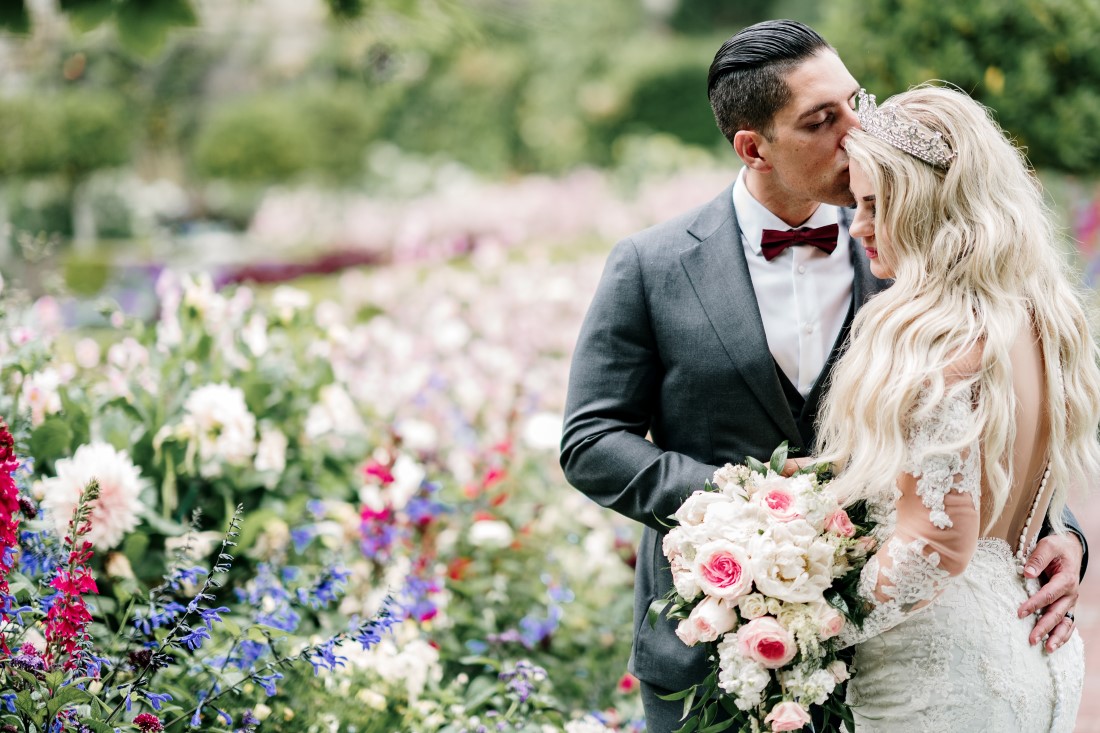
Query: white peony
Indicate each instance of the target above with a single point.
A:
(115, 513)
(736, 521)
(791, 562)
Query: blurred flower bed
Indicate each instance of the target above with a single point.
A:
(368, 457)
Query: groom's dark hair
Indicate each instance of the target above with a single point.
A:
(747, 83)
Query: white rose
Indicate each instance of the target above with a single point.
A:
(753, 606)
(693, 510)
(684, 579)
(706, 622)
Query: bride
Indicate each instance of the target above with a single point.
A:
(963, 412)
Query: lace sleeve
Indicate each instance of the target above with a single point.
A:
(937, 517)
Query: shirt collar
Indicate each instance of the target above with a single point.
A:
(753, 217)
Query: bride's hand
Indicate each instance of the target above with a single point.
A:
(795, 464)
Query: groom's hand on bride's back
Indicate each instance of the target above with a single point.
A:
(1056, 560)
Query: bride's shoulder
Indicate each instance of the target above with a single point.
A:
(965, 364)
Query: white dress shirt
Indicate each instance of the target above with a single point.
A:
(804, 294)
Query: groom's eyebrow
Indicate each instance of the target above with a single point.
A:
(825, 105)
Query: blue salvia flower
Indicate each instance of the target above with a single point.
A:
(193, 640)
(186, 576)
(39, 554)
(210, 616)
(165, 615)
(9, 701)
(302, 536)
(316, 507)
(268, 683)
(156, 699)
(325, 656)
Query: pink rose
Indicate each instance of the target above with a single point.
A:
(780, 502)
(830, 622)
(706, 622)
(839, 523)
(765, 641)
(787, 716)
(721, 570)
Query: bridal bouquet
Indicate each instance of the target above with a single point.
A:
(765, 569)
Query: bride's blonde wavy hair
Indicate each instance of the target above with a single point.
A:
(974, 252)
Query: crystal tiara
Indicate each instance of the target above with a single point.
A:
(889, 125)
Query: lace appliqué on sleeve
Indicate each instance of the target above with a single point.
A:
(906, 573)
(938, 473)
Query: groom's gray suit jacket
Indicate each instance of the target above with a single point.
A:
(673, 346)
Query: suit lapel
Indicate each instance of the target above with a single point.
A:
(719, 276)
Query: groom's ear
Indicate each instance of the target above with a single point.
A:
(747, 144)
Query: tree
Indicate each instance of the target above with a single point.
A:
(1033, 62)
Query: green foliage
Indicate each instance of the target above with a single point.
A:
(256, 139)
(1034, 63)
(75, 132)
(465, 105)
(323, 130)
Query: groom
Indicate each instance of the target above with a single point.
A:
(714, 333)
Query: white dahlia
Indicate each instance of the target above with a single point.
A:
(218, 418)
(115, 513)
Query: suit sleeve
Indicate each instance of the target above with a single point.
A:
(614, 385)
(1075, 528)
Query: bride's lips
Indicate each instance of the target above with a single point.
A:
(872, 253)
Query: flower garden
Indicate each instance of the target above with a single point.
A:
(320, 505)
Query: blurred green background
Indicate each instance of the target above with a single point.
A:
(216, 101)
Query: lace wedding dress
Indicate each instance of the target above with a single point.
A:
(943, 648)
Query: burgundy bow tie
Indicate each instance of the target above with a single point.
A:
(774, 241)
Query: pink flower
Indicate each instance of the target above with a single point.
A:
(787, 716)
(706, 622)
(830, 622)
(839, 523)
(780, 502)
(628, 683)
(721, 570)
(765, 641)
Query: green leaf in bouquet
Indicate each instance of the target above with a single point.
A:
(653, 615)
(755, 465)
(718, 727)
(779, 458)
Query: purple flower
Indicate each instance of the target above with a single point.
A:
(268, 683)
(193, 640)
(156, 699)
